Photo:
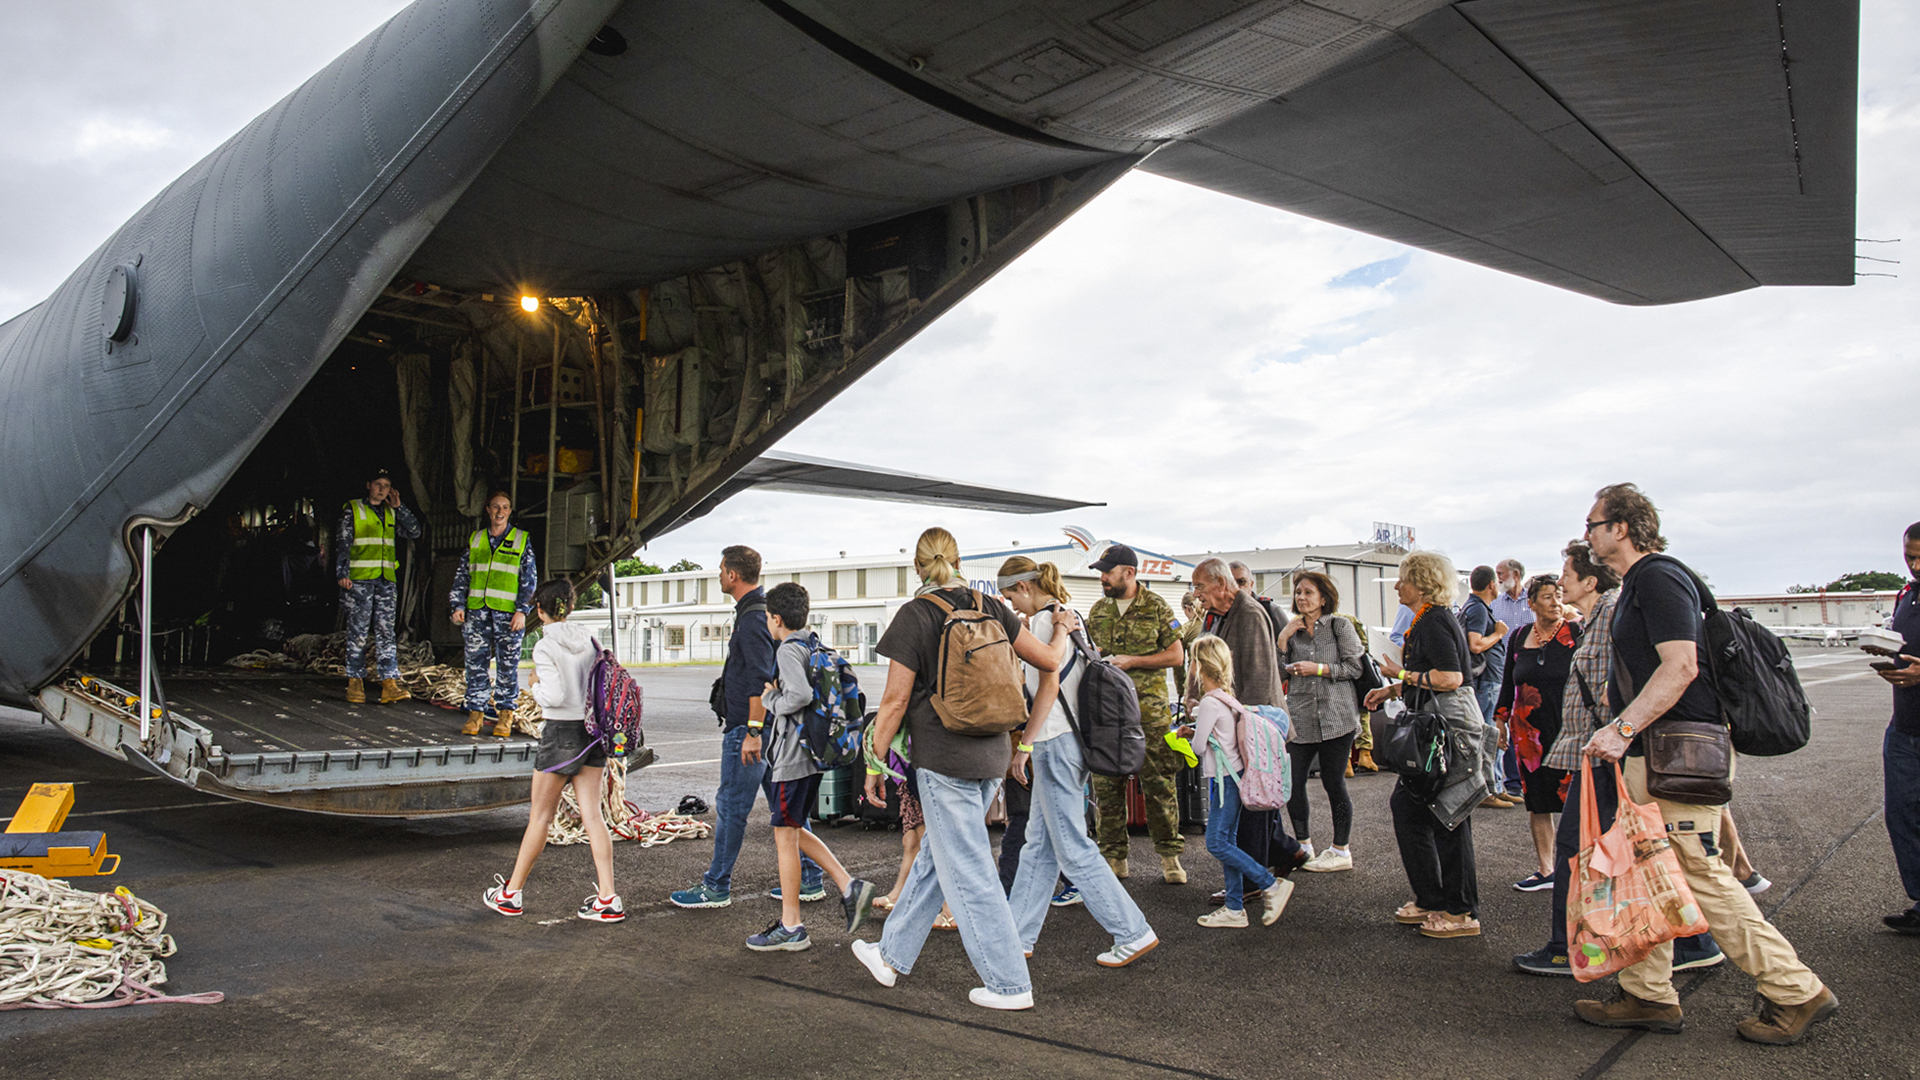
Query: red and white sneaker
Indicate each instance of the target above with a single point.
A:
(500, 900)
(594, 909)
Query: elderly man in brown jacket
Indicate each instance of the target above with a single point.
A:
(1235, 617)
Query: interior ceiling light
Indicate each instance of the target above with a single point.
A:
(530, 303)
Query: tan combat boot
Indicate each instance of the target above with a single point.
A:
(1627, 1011)
(391, 691)
(474, 719)
(1172, 871)
(1784, 1025)
(356, 692)
(1364, 762)
(503, 726)
(1119, 868)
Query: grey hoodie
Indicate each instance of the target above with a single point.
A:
(563, 659)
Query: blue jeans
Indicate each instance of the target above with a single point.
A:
(1900, 757)
(1057, 842)
(740, 785)
(1223, 826)
(955, 867)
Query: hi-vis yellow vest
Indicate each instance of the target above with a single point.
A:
(372, 556)
(493, 576)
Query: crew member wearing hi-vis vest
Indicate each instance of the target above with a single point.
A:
(492, 594)
(366, 560)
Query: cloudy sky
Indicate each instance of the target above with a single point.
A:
(1220, 374)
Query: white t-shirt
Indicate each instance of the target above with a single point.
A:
(1041, 626)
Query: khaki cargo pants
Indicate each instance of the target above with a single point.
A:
(1745, 935)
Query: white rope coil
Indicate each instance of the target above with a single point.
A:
(63, 948)
(624, 820)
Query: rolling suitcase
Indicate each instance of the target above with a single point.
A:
(1136, 804)
(1190, 792)
(839, 794)
(876, 817)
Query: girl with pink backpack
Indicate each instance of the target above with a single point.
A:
(1217, 720)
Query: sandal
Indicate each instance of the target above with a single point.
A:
(882, 904)
(1439, 924)
(944, 921)
(1412, 914)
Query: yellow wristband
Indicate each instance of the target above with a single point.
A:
(1023, 748)
(1324, 670)
(756, 724)
(875, 772)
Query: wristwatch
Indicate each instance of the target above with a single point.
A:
(1627, 730)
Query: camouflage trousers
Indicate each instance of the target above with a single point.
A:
(1156, 785)
(490, 637)
(370, 605)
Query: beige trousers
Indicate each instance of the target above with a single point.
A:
(1745, 935)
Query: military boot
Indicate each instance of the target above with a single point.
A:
(391, 691)
(1119, 868)
(474, 719)
(503, 726)
(1364, 762)
(356, 692)
(1784, 1025)
(1172, 871)
(1627, 1011)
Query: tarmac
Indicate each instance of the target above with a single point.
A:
(359, 948)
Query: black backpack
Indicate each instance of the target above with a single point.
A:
(1106, 716)
(1753, 677)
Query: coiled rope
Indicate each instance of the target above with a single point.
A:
(63, 948)
(624, 820)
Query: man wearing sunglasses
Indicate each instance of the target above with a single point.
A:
(1657, 628)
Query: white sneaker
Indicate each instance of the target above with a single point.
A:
(1307, 846)
(987, 999)
(1276, 896)
(1756, 884)
(1224, 917)
(868, 953)
(1329, 861)
(1122, 955)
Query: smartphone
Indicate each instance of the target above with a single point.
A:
(1884, 665)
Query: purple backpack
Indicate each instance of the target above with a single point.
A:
(613, 705)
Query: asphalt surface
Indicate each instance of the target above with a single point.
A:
(360, 948)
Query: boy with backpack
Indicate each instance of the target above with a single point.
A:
(792, 700)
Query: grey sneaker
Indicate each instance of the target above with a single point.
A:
(777, 938)
(808, 893)
(857, 902)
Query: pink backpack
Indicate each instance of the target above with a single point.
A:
(1265, 771)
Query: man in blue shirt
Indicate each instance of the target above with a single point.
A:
(749, 668)
(1487, 641)
(1510, 603)
(1900, 752)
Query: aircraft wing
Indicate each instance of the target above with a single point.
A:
(1640, 151)
(779, 471)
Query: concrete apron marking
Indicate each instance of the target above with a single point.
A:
(1614, 1053)
(977, 1026)
(144, 809)
(1839, 678)
(682, 764)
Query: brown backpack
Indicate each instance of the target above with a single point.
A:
(976, 690)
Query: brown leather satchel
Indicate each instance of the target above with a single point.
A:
(1688, 761)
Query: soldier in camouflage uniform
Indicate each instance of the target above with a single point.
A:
(1137, 628)
(491, 598)
(366, 562)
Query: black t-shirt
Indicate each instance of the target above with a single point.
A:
(1478, 617)
(1435, 643)
(913, 639)
(1658, 604)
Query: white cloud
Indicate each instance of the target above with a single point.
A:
(101, 136)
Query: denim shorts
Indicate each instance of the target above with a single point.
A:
(565, 748)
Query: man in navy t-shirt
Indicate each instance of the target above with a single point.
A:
(1658, 625)
(1900, 752)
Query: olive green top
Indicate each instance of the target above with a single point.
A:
(1146, 628)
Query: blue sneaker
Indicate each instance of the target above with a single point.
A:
(1692, 957)
(777, 938)
(701, 897)
(808, 893)
(1067, 897)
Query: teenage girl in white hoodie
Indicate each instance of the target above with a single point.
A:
(562, 662)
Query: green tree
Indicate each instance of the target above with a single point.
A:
(1866, 579)
(634, 567)
(683, 566)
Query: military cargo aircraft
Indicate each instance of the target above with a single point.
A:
(605, 254)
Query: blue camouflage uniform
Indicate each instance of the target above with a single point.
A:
(489, 634)
(370, 604)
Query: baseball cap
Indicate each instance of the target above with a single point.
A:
(1116, 555)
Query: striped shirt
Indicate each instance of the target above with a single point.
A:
(1578, 720)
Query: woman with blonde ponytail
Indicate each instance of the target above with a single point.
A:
(957, 775)
(1056, 827)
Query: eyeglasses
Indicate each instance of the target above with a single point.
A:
(1592, 525)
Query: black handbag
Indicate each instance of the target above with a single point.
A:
(1414, 745)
